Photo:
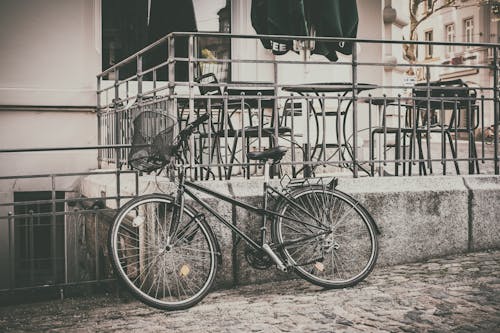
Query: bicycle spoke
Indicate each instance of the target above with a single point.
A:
(168, 273)
(338, 258)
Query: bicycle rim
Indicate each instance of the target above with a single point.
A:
(171, 268)
(327, 237)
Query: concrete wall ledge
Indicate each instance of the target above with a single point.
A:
(419, 217)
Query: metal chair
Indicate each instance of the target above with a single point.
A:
(432, 100)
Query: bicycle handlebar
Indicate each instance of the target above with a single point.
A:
(186, 132)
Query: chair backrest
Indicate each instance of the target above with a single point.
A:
(453, 95)
(208, 84)
(448, 94)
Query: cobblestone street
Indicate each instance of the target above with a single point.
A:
(455, 294)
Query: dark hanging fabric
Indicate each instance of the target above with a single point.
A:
(168, 16)
(333, 18)
(279, 17)
(330, 18)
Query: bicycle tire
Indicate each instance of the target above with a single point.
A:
(167, 272)
(319, 229)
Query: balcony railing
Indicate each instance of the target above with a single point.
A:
(359, 115)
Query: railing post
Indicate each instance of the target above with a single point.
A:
(171, 102)
(354, 111)
(191, 100)
(495, 107)
(99, 124)
(12, 251)
(117, 135)
(53, 230)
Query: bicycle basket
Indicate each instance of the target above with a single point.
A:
(152, 141)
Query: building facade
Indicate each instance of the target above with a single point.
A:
(52, 51)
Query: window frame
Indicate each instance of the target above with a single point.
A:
(429, 50)
(450, 37)
(468, 31)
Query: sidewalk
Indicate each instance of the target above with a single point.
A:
(454, 294)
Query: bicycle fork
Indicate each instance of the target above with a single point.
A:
(263, 229)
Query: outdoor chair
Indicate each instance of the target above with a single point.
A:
(405, 137)
(434, 101)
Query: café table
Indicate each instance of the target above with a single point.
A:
(344, 89)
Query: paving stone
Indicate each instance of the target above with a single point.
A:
(454, 294)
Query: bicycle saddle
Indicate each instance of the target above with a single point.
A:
(274, 154)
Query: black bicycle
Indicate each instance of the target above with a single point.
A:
(167, 255)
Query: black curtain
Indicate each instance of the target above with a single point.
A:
(168, 16)
(126, 31)
(330, 18)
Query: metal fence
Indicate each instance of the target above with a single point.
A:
(57, 238)
(438, 118)
(434, 124)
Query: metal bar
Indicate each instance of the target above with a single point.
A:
(53, 230)
(191, 100)
(244, 168)
(12, 250)
(428, 122)
(171, 65)
(470, 138)
(355, 166)
(443, 137)
(496, 109)
(96, 245)
(384, 124)
(482, 129)
(323, 116)
(370, 137)
(99, 122)
(308, 157)
(293, 138)
(398, 140)
(31, 245)
(260, 115)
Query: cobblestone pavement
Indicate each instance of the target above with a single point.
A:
(455, 294)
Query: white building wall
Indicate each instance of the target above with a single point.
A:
(50, 52)
(49, 59)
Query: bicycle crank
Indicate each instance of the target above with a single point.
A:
(275, 258)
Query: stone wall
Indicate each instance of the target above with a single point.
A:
(419, 217)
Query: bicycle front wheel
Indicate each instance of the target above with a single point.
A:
(326, 236)
(166, 259)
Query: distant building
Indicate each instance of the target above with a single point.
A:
(467, 21)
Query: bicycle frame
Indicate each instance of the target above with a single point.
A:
(185, 187)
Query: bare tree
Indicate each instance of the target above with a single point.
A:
(417, 17)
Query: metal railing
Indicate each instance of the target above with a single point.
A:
(329, 127)
(368, 126)
(57, 239)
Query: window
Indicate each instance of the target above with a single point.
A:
(469, 31)
(428, 5)
(428, 47)
(450, 38)
(38, 239)
(130, 25)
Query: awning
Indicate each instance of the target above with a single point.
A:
(328, 18)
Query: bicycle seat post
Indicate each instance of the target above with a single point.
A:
(266, 171)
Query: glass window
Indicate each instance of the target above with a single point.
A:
(469, 31)
(130, 25)
(450, 38)
(214, 16)
(428, 5)
(428, 47)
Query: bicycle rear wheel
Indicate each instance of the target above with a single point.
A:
(327, 237)
(166, 261)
